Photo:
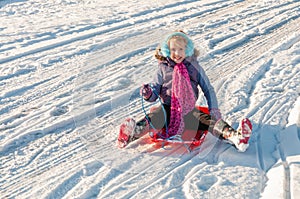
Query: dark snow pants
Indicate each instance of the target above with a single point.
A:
(195, 120)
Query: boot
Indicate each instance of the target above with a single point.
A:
(130, 131)
(141, 128)
(239, 138)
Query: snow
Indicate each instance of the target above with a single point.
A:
(70, 72)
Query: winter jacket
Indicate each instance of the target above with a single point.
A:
(162, 82)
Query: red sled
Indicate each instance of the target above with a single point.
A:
(189, 137)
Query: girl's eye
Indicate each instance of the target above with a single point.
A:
(180, 49)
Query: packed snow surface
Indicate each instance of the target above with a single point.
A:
(70, 72)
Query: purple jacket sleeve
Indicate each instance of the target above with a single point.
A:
(156, 85)
(207, 88)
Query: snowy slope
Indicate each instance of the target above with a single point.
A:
(70, 73)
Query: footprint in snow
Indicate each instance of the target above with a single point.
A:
(119, 84)
(59, 110)
(206, 182)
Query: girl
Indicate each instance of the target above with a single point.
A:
(176, 83)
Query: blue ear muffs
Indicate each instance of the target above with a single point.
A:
(165, 50)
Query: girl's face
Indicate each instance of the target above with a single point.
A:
(177, 49)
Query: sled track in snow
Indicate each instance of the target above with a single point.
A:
(48, 91)
(104, 30)
(253, 43)
(273, 107)
(287, 174)
(177, 168)
(246, 46)
(261, 42)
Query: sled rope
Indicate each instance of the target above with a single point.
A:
(164, 111)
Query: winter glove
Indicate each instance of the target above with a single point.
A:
(146, 91)
(215, 113)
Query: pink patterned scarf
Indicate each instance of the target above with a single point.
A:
(182, 100)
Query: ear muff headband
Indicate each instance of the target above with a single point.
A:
(165, 50)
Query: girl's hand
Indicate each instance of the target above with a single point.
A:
(215, 113)
(146, 91)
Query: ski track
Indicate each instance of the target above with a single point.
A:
(53, 113)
